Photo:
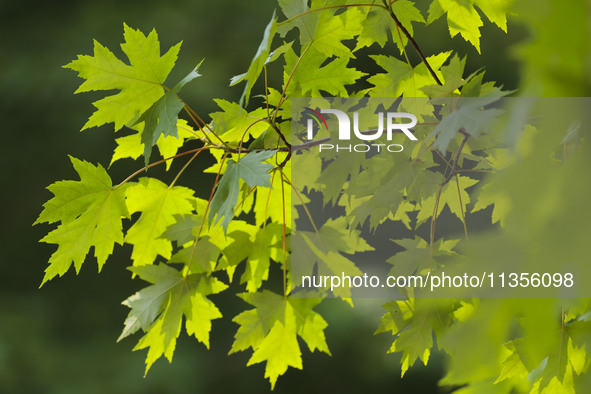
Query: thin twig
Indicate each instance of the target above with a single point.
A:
(159, 162)
(274, 126)
(215, 183)
(455, 162)
(293, 148)
(413, 43)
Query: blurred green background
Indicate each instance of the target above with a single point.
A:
(62, 338)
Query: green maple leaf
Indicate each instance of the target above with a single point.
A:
(450, 197)
(512, 364)
(324, 250)
(238, 250)
(495, 11)
(182, 230)
(379, 23)
(267, 245)
(500, 199)
(417, 255)
(271, 330)
(256, 323)
(147, 303)
(332, 29)
(414, 323)
(162, 117)
(159, 204)
(322, 30)
(311, 77)
(332, 179)
(159, 309)
(200, 257)
(402, 80)
(375, 29)
(131, 145)
(406, 12)
(90, 211)
(386, 179)
(310, 324)
(273, 202)
(140, 82)
(233, 121)
(279, 349)
(414, 342)
(452, 75)
(470, 116)
(462, 18)
(249, 168)
(304, 20)
(261, 58)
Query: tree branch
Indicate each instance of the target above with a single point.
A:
(413, 43)
(274, 126)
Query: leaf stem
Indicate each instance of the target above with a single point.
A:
(184, 168)
(159, 162)
(283, 97)
(267, 92)
(302, 201)
(284, 236)
(462, 206)
(215, 183)
(455, 162)
(196, 118)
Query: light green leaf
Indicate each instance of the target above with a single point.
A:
(453, 77)
(158, 204)
(159, 309)
(323, 30)
(147, 303)
(402, 80)
(462, 18)
(271, 330)
(200, 257)
(162, 117)
(375, 29)
(256, 323)
(310, 77)
(305, 21)
(325, 248)
(131, 145)
(182, 230)
(310, 324)
(266, 246)
(495, 11)
(272, 202)
(512, 364)
(258, 62)
(470, 116)
(279, 349)
(417, 255)
(450, 197)
(501, 201)
(332, 29)
(251, 169)
(406, 12)
(90, 211)
(235, 124)
(140, 82)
